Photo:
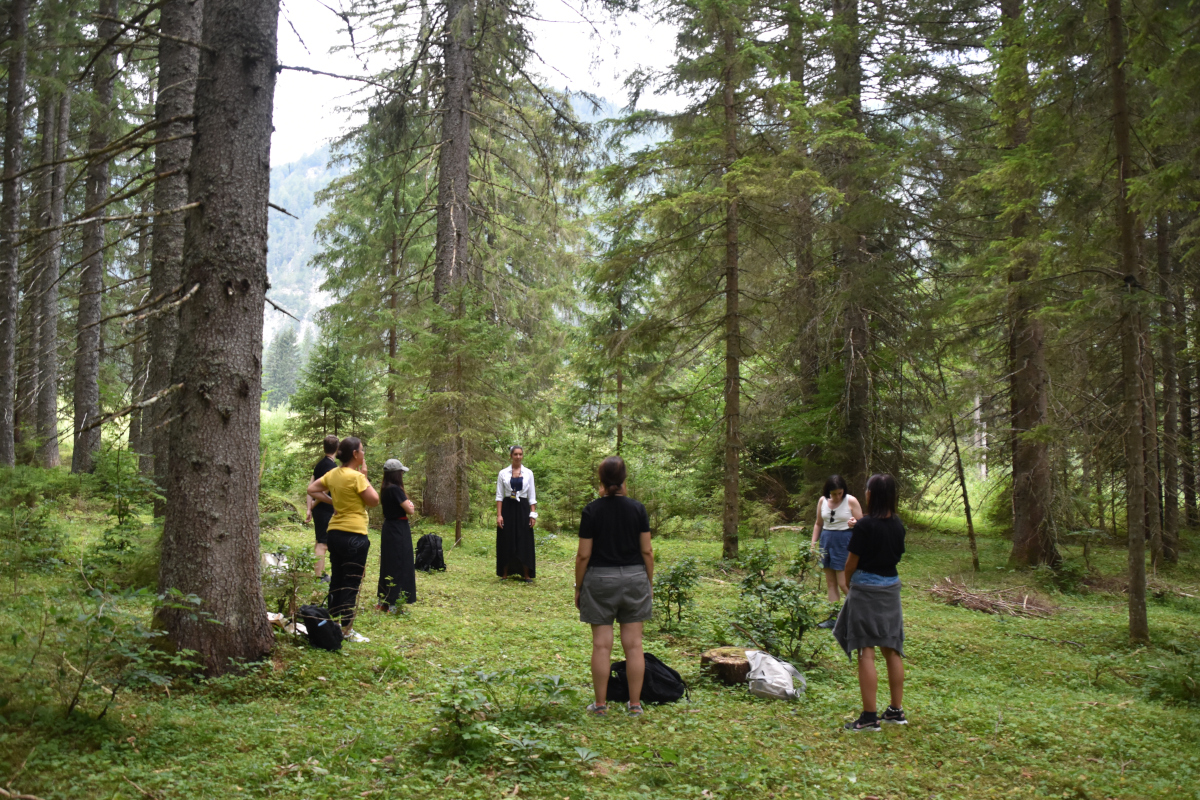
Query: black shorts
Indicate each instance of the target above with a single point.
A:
(321, 514)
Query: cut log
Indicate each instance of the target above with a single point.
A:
(787, 528)
(727, 664)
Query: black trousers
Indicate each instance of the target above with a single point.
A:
(396, 571)
(348, 556)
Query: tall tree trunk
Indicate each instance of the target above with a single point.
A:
(47, 410)
(10, 224)
(138, 430)
(211, 534)
(1170, 424)
(803, 223)
(1187, 448)
(393, 303)
(733, 328)
(1033, 542)
(850, 244)
(91, 280)
(1134, 357)
(452, 244)
(178, 64)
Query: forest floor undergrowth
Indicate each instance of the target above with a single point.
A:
(999, 707)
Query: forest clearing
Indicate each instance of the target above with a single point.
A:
(999, 706)
(786, 327)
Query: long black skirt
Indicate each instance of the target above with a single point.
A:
(514, 542)
(396, 572)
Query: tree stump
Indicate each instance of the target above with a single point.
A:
(727, 664)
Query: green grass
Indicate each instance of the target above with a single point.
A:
(993, 713)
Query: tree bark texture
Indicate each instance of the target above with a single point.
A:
(1033, 541)
(91, 277)
(178, 65)
(1187, 448)
(733, 328)
(1134, 357)
(1170, 394)
(452, 242)
(10, 224)
(47, 402)
(211, 532)
(850, 241)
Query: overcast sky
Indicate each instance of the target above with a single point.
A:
(577, 56)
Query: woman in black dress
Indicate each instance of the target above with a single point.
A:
(396, 572)
(516, 512)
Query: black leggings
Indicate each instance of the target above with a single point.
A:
(348, 555)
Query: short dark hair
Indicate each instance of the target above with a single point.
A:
(393, 477)
(881, 495)
(612, 474)
(834, 482)
(347, 448)
(331, 445)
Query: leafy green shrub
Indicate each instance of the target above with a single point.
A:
(478, 711)
(1175, 679)
(775, 614)
(83, 650)
(1069, 577)
(673, 587)
(291, 585)
(120, 483)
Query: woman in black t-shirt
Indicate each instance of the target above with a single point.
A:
(614, 571)
(396, 571)
(872, 616)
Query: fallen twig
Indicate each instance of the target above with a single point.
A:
(1052, 641)
(956, 594)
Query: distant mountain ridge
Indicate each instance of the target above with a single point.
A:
(295, 282)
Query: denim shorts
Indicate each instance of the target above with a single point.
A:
(835, 548)
(620, 593)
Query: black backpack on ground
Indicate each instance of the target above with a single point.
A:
(323, 632)
(429, 553)
(661, 684)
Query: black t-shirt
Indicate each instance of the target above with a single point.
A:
(391, 498)
(878, 542)
(323, 466)
(615, 526)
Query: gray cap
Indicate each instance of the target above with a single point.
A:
(394, 465)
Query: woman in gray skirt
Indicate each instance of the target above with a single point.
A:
(614, 571)
(872, 616)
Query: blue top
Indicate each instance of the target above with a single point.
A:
(517, 484)
(871, 579)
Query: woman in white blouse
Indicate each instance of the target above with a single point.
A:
(516, 513)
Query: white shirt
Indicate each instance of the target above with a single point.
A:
(840, 514)
(504, 485)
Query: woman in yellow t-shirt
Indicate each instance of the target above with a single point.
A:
(352, 495)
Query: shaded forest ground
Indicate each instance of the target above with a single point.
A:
(995, 711)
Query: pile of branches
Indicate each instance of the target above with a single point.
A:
(1014, 602)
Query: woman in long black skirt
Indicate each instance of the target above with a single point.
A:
(516, 513)
(397, 576)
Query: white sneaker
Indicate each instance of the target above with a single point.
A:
(355, 636)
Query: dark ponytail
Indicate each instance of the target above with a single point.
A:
(612, 474)
(347, 449)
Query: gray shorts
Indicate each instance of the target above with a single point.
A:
(620, 593)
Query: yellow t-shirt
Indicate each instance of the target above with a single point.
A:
(349, 511)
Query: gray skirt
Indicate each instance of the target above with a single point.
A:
(871, 617)
(615, 593)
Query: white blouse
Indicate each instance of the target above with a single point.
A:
(504, 485)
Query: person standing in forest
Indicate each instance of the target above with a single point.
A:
(836, 511)
(614, 580)
(320, 511)
(872, 616)
(516, 514)
(352, 494)
(397, 574)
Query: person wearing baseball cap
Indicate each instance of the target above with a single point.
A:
(397, 575)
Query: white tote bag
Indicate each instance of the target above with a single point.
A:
(772, 678)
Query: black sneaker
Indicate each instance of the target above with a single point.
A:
(894, 716)
(865, 722)
(827, 624)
